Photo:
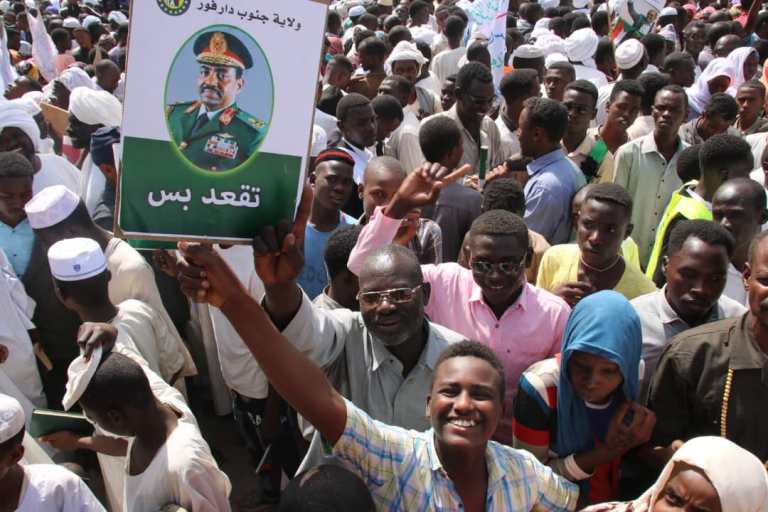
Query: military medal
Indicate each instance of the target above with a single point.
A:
(222, 145)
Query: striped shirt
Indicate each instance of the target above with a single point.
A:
(403, 471)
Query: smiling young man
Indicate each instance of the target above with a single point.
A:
(452, 466)
(490, 302)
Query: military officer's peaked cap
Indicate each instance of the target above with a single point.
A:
(222, 49)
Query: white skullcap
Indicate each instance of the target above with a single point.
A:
(5, 5)
(79, 375)
(51, 206)
(550, 43)
(580, 4)
(629, 53)
(36, 96)
(319, 140)
(74, 77)
(356, 11)
(14, 115)
(581, 45)
(76, 259)
(12, 417)
(25, 49)
(668, 11)
(527, 51)
(70, 23)
(117, 17)
(30, 4)
(90, 20)
(95, 107)
(554, 57)
(668, 33)
(405, 50)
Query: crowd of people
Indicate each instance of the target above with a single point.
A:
(533, 280)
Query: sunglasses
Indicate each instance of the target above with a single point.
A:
(505, 267)
(395, 295)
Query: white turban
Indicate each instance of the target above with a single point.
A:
(95, 107)
(629, 53)
(117, 17)
(554, 57)
(405, 50)
(74, 77)
(14, 116)
(27, 104)
(550, 43)
(581, 45)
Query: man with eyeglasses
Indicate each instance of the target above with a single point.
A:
(382, 357)
(491, 301)
(475, 95)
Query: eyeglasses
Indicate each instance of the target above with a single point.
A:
(395, 295)
(505, 267)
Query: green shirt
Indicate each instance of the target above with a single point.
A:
(220, 143)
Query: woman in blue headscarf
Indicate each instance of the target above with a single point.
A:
(581, 421)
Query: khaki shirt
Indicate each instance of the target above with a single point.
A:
(489, 133)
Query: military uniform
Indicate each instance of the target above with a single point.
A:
(229, 137)
(219, 144)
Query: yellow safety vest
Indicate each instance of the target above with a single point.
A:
(680, 204)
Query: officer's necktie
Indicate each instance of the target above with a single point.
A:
(201, 121)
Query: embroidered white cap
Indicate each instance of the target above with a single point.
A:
(11, 417)
(76, 259)
(51, 206)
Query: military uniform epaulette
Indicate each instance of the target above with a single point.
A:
(191, 107)
(249, 120)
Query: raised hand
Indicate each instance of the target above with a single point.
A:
(279, 252)
(422, 187)
(92, 335)
(204, 276)
(166, 261)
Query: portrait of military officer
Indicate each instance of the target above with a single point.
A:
(212, 132)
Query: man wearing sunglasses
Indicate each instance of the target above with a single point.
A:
(490, 302)
(380, 358)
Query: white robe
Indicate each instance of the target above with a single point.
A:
(92, 183)
(16, 310)
(133, 278)
(182, 472)
(56, 170)
(51, 488)
(139, 322)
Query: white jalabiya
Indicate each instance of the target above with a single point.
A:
(182, 472)
(16, 309)
(51, 488)
(55, 170)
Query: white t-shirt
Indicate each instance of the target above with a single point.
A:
(240, 370)
(446, 63)
(51, 488)
(594, 75)
(734, 286)
(55, 170)
(510, 141)
(183, 472)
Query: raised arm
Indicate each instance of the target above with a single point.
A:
(294, 376)
(420, 188)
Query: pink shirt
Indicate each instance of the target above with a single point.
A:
(529, 331)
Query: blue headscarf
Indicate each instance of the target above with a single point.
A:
(606, 325)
